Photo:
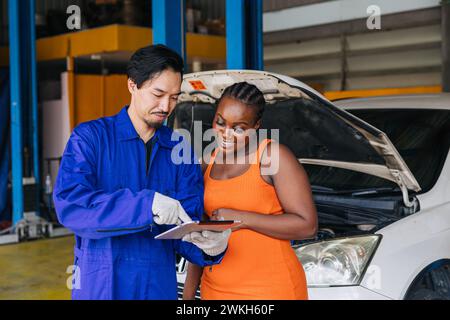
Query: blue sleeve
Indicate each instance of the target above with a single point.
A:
(190, 188)
(195, 255)
(91, 212)
(190, 193)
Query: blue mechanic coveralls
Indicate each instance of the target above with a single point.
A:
(104, 195)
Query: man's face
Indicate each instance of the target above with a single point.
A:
(156, 98)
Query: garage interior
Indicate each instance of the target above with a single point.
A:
(53, 78)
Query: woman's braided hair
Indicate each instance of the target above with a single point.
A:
(248, 94)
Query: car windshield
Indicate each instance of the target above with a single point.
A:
(421, 136)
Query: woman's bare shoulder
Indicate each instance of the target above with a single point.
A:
(276, 151)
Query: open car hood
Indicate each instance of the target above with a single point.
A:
(317, 131)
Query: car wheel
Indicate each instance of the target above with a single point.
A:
(434, 284)
(426, 294)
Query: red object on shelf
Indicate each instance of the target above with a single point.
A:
(5, 225)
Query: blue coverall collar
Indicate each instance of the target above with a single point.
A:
(126, 131)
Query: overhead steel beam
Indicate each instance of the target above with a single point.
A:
(359, 93)
(410, 19)
(168, 18)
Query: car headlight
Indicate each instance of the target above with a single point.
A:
(337, 262)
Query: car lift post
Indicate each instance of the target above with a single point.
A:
(168, 18)
(244, 34)
(34, 96)
(16, 111)
(24, 125)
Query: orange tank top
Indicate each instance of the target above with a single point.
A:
(255, 266)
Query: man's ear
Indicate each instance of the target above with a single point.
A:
(131, 86)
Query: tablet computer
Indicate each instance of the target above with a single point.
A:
(180, 231)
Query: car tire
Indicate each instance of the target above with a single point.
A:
(433, 284)
(426, 294)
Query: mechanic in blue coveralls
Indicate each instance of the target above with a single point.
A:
(117, 188)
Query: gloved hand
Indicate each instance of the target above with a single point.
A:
(167, 210)
(210, 242)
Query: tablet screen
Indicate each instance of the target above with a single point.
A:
(180, 231)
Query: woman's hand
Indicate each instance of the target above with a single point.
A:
(229, 214)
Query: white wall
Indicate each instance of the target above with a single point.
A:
(56, 128)
(336, 11)
(398, 50)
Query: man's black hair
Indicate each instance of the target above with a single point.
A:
(148, 62)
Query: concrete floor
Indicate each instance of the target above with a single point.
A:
(36, 269)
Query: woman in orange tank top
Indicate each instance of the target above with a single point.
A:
(264, 186)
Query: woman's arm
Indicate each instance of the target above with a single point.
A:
(193, 277)
(299, 220)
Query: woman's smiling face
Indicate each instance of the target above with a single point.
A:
(231, 123)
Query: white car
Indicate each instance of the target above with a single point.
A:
(383, 207)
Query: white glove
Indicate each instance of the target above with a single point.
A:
(210, 242)
(167, 210)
